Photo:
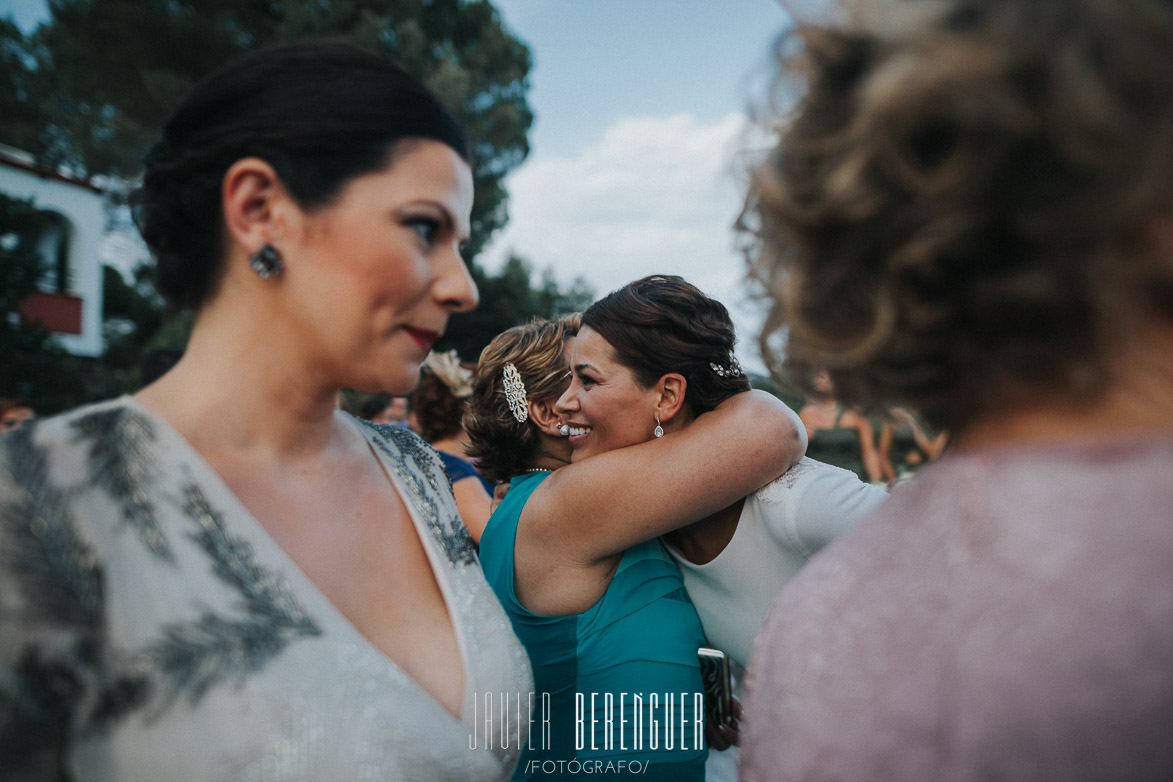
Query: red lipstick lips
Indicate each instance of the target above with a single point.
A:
(423, 337)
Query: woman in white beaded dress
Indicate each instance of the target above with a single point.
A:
(224, 577)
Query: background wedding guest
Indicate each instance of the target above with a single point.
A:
(373, 409)
(385, 409)
(396, 412)
(15, 412)
(837, 434)
(225, 577)
(906, 444)
(968, 213)
(437, 414)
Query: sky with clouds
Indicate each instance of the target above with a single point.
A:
(640, 143)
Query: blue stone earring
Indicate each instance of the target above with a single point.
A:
(266, 262)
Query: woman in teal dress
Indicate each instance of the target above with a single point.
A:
(572, 554)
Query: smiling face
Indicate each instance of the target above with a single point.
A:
(604, 406)
(373, 276)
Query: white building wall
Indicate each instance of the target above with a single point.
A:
(83, 210)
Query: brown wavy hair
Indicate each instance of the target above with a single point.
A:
(501, 445)
(956, 214)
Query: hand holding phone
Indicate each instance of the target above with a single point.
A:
(717, 681)
(722, 709)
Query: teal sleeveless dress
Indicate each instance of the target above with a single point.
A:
(635, 649)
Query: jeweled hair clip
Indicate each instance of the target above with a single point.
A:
(515, 393)
(733, 370)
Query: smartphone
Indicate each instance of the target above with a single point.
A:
(717, 681)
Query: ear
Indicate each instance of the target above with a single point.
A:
(545, 417)
(253, 201)
(672, 388)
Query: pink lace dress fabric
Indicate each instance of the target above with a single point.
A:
(1007, 615)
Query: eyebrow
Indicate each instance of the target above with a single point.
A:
(581, 367)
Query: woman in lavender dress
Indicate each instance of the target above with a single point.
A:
(970, 214)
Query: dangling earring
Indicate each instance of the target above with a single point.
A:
(266, 262)
(564, 430)
(659, 430)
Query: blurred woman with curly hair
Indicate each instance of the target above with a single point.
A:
(969, 213)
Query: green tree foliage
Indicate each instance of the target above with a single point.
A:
(90, 89)
(508, 299)
(19, 110)
(117, 67)
(133, 315)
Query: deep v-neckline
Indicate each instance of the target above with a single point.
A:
(307, 586)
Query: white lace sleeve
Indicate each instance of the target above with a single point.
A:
(813, 503)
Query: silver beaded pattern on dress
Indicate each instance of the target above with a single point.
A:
(119, 442)
(477, 615)
(425, 487)
(295, 693)
(372, 725)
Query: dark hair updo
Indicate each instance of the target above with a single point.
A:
(662, 324)
(321, 113)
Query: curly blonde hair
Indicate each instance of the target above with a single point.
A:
(955, 216)
(501, 445)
